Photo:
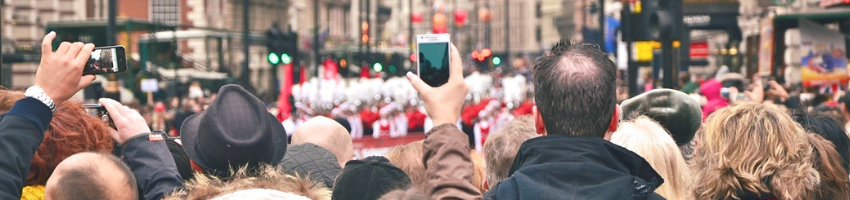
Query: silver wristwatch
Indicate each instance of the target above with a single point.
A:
(38, 93)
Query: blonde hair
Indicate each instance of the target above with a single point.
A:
(268, 177)
(651, 141)
(478, 170)
(408, 158)
(753, 149)
(501, 148)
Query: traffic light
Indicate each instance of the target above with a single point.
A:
(654, 20)
(378, 67)
(285, 58)
(497, 61)
(282, 46)
(273, 58)
(364, 28)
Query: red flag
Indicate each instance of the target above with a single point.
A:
(285, 90)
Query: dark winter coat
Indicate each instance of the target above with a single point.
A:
(570, 167)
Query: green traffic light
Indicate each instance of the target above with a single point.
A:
(392, 68)
(497, 60)
(378, 67)
(285, 58)
(273, 59)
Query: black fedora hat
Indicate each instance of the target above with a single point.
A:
(235, 130)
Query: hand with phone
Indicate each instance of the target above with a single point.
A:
(443, 103)
(128, 122)
(60, 73)
(433, 58)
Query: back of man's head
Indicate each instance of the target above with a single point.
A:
(328, 134)
(575, 91)
(501, 148)
(92, 176)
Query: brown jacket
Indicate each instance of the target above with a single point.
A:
(448, 164)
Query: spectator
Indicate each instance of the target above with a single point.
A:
(576, 114)
(58, 78)
(651, 141)
(92, 176)
(829, 129)
(308, 159)
(835, 183)
(68, 134)
(478, 170)
(844, 103)
(408, 158)
(181, 159)
(267, 182)
(447, 161)
(409, 194)
(235, 131)
(328, 134)
(679, 114)
(369, 179)
(711, 90)
(739, 159)
(501, 148)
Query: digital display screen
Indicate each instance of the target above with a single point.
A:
(102, 61)
(434, 63)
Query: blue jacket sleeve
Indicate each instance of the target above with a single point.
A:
(21, 132)
(154, 168)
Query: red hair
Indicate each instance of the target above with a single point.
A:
(71, 131)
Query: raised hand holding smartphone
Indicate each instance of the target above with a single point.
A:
(443, 103)
(433, 58)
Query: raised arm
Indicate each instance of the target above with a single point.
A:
(58, 77)
(447, 159)
(145, 154)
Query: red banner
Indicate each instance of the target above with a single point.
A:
(378, 147)
(699, 50)
(831, 3)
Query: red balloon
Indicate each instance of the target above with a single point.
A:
(416, 17)
(460, 16)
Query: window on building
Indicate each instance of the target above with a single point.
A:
(538, 10)
(165, 11)
(538, 33)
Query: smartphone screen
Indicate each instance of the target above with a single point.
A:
(433, 58)
(105, 60)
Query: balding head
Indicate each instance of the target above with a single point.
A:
(576, 80)
(91, 176)
(328, 134)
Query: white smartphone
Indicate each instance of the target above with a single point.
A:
(433, 58)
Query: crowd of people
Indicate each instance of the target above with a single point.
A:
(578, 142)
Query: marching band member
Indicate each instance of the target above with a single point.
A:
(383, 128)
(482, 129)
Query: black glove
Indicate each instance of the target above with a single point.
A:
(675, 111)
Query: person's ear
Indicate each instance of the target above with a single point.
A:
(615, 121)
(486, 185)
(538, 121)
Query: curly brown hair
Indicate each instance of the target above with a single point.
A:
(835, 183)
(754, 150)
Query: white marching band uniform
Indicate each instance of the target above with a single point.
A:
(353, 94)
